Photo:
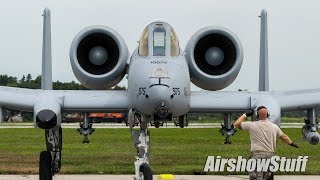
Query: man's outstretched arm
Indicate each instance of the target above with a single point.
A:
(285, 138)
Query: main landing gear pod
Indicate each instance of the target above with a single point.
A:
(47, 116)
(50, 160)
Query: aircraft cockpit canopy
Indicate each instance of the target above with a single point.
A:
(159, 39)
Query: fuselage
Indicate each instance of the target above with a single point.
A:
(158, 78)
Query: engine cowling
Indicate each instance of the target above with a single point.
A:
(98, 57)
(214, 56)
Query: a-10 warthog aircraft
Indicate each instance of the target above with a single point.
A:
(159, 75)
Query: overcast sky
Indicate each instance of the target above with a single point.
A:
(294, 33)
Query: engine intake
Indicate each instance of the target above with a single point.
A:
(98, 57)
(214, 56)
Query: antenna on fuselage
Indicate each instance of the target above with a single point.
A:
(263, 63)
(46, 74)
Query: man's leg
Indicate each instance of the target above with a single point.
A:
(256, 175)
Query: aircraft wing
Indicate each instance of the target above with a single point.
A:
(298, 100)
(219, 101)
(224, 101)
(70, 100)
(275, 101)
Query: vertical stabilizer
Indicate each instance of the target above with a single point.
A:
(46, 75)
(263, 64)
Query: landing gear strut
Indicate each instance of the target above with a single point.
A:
(50, 160)
(141, 139)
(310, 129)
(183, 121)
(227, 129)
(86, 128)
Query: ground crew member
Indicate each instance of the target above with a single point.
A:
(263, 136)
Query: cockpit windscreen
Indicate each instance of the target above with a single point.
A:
(159, 41)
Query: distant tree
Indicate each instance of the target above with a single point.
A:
(29, 78)
(6, 80)
(3, 80)
(38, 80)
(23, 79)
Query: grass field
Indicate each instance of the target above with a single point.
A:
(111, 151)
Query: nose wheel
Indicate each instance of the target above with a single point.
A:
(182, 121)
(145, 172)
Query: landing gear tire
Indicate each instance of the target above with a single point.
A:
(181, 121)
(45, 172)
(156, 124)
(145, 172)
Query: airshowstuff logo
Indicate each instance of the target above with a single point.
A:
(275, 163)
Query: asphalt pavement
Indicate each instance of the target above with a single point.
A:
(155, 177)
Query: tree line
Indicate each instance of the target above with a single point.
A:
(26, 81)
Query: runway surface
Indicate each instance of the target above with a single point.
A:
(122, 125)
(155, 177)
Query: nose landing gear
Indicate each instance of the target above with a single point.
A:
(182, 121)
(141, 139)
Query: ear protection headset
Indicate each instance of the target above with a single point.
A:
(261, 107)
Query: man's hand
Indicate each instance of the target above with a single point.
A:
(249, 113)
(294, 145)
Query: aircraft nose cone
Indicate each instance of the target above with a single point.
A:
(214, 56)
(46, 119)
(98, 55)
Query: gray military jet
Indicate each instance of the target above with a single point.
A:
(159, 75)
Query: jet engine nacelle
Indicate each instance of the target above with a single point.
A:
(214, 56)
(98, 57)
